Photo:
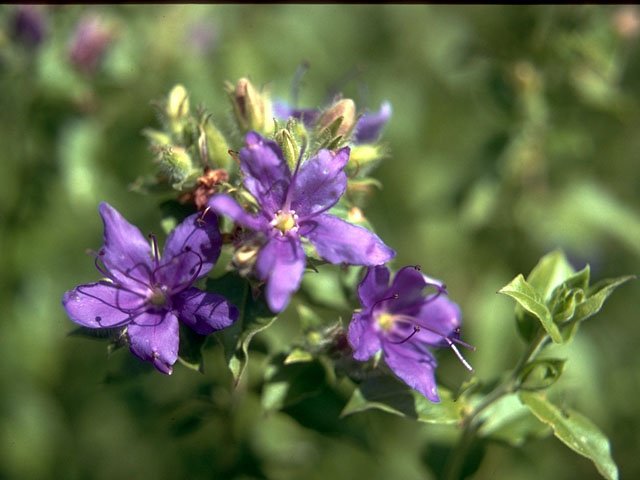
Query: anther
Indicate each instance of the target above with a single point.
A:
(395, 296)
(234, 155)
(417, 267)
(154, 242)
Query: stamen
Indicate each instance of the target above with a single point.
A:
(416, 329)
(460, 357)
(154, 242)
(184, 285)
(395, 296)
(417, 267)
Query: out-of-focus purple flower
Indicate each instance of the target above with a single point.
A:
(292, 207)
(370, 125)
(28, 25)
(149, 293)
(367, 130)
(89, 42)
(403, 321)
(202, 37)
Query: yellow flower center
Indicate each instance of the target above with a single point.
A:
(284, 221)
(385, 321)
(158, 298)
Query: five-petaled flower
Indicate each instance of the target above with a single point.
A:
(403, 321)
(293, 206)
(148, 293)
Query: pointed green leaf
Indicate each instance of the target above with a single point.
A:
(531, 301)
(254, 316)
(576, 431)
(596, 296)
(390, 395)
(551, 270)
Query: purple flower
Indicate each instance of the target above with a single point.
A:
(292, 207)
(367, 129)
(90, 41)
(149, 294)
(403, 321)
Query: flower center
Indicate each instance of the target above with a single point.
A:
(158, 298)
(385, 321)
(285, 221)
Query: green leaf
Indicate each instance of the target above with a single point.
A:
(551, 271)
(509, 421)
(596, 296)
(541, 373)
(254, 316)
(298, 355)
(531, 301)
(390, 395)
(576, 431)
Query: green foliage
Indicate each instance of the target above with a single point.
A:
(390, 395)
(254, 317)
(575, 431)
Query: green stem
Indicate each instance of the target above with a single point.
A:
(470, 423)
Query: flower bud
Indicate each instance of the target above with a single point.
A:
(250, 107)
(213, 146)
(289, 146)
(176, 162)
(363, 158)
(178, 103)
(91, 39)
(339, 120)
(28, 25)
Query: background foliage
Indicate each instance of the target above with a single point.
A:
(515, 131)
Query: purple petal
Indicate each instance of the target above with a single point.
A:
(320, 182)
(338, 241)
(225, 205)
(362, 337)
(370, 125)
(126, 252)
(414, 365)
(438, 318)
(409, 284)
(154, 337)
(191, 250)
(373, 286)
(204, 312)
(280, 264)
(307, 115)
(101, 305)
(266, 173)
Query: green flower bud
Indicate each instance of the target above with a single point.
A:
(213, 147)
(290, 147)
(340, 119)
(176, 162)
(177, 111)
(252, 109)
(363, 158)
(178, 103)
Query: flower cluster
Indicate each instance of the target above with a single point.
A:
(287, 203)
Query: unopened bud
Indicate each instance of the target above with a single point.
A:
(289, 146)
(156, 137)
(214, 149)
(251, 108)
(363, 158)
(178, 103)
(339, 120)
(176, 162)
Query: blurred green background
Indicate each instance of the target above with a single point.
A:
(515, 130)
